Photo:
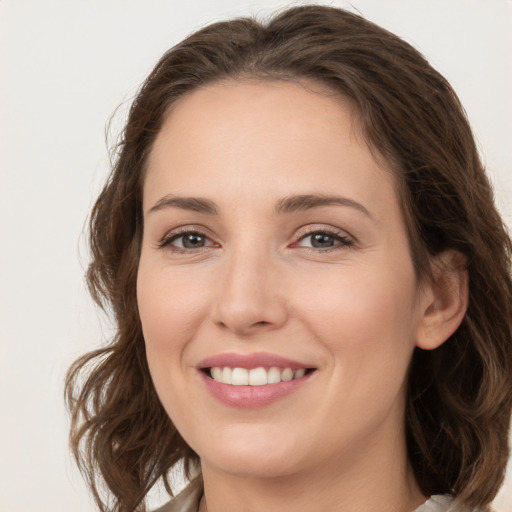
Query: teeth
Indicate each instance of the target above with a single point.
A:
(287, 374)
(217, 374)
(240, 377)
(274, 375)
(258, 377)
(226, 375)
(299, 373)
(255, 377)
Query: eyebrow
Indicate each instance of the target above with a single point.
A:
(194, 204)
(286, 205)
(308, 201)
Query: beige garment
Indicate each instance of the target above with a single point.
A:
(187, 500)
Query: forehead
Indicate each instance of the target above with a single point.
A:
(292, 137)
(252, 107)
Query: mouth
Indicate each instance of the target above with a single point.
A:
(253, 380)
(259, 376)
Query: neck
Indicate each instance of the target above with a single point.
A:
(379, 479)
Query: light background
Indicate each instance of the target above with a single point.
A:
(64, 68)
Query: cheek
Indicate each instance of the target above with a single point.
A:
(169, 307)
(366, 321)
(365, 315)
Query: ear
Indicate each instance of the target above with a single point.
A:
(444, 300)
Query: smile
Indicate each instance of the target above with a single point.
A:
(254, 380)
(255, 377)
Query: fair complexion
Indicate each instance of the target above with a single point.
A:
(270, 228)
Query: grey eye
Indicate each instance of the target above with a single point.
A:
(321, 240)
(193, 240)
(324, 240)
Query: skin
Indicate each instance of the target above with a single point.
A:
(255, 283)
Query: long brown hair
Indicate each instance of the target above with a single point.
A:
(459, 395)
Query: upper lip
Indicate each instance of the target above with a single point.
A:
(250, 361)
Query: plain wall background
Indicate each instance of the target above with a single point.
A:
(64, 68)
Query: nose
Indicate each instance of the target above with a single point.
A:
(250, 299)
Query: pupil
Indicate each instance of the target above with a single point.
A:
(193, 241)
(322, 240)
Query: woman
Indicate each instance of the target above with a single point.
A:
(310, 281)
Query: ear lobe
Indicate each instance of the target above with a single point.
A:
(445, 300)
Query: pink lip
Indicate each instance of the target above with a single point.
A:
(251, 397)
(250, 361)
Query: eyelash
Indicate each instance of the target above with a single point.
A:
(344, 241)
(171, 237)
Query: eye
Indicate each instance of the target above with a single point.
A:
(324, 240)
(186, 241)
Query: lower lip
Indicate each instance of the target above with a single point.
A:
(252, 397)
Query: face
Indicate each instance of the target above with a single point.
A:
(276, 290)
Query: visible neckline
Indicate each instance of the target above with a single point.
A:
(189, 499)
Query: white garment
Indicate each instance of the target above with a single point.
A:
(437, 503)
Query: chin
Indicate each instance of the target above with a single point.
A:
(251, 466)
(256, 456)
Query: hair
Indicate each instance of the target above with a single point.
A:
(459, 396)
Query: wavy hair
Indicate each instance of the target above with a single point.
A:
(459, 395)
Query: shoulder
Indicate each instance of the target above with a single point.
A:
(187, 500)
